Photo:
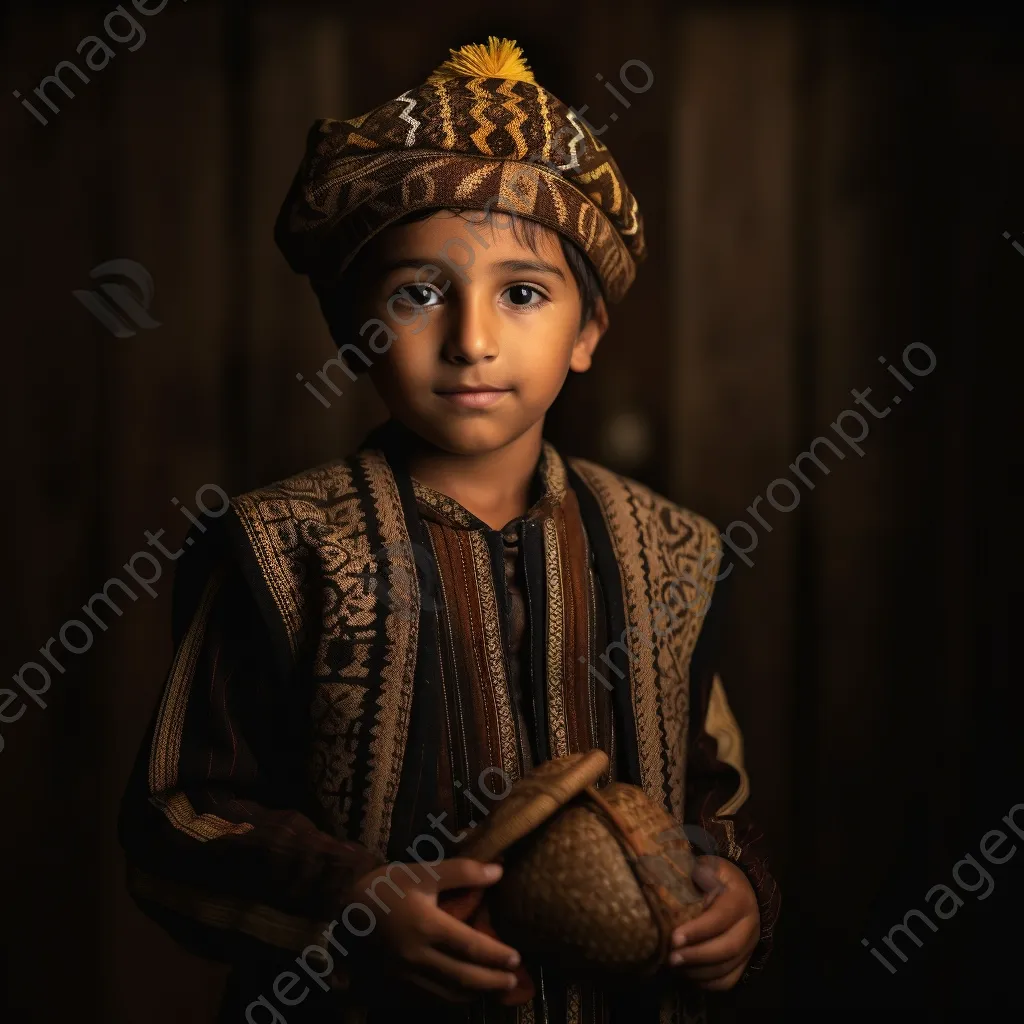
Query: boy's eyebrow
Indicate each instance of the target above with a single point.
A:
(521, 265)
(515, 266)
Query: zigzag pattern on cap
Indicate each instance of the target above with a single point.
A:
(479, 133)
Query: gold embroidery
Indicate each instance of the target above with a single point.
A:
(518, 117)
(447, 508)
(478, 113)
(320, 511)
(283, 521)
(683, 544)
(553, 473)
(666, 555)
(166, 746)
(735, 850)
(556, 642)
(445, 110)
(627, 535)
(394, 695)
(545, 120)
(721, 725)
(608, 171)
(336, 708)
(572, 1004)
(554, 483)
(202, 827)
(495, 654)
(518, 186)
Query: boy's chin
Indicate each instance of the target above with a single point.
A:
(471, 438)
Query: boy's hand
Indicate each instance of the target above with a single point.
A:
(713, 949)
(431, 948)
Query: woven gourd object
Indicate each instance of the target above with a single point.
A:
(594, 878)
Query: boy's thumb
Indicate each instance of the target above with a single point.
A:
(462, 872)
(705, 876)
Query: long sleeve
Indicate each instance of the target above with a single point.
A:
(717, 786)
(218, 848)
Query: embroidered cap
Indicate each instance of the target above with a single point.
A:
(479, 133)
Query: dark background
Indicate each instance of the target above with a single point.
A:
(821, 186)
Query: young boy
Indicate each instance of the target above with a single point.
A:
(371, 652)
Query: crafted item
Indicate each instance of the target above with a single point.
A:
(595, 879)
(479, 134)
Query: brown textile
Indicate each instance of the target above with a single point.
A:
(488, 718)
(491, 140)
(297, 744)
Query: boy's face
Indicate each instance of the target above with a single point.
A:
(481, 351)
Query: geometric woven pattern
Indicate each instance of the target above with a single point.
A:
(487, 143)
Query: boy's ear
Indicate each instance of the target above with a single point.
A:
(593, 329)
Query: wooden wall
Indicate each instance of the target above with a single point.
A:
(820, 189)
(839, 181)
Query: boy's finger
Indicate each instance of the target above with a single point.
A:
(711, 972)
(705, 875)
(471, 976)
(472, 944)
(716, 919)
(723, 947)
(463, 873)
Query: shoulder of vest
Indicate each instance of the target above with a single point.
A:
(625, 500)
(315, 514)
(318, 484)
(318, 525)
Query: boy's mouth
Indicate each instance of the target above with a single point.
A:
(479, 396)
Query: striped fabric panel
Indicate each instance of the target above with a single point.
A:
(165, 751)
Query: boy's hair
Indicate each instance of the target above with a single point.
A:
(339, 298)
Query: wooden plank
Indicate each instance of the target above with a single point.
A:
(626, 393)
(299, 64)
(733, 371)
(867, 715)
(167, 395)
(48, 770)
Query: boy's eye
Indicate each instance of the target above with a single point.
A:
(521, 294)
(417, 294)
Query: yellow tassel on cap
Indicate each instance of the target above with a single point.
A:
(500, 58)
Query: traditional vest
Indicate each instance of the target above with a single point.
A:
(311, 543)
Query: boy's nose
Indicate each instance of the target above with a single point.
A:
(472, 336)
